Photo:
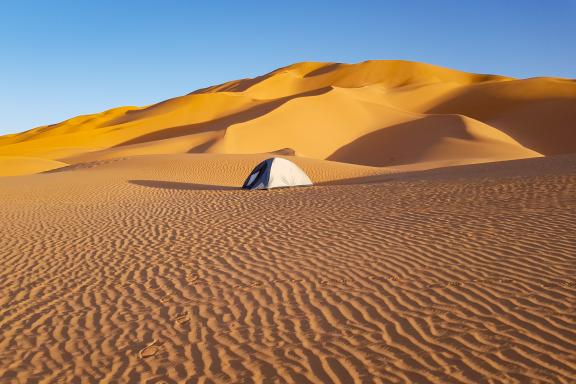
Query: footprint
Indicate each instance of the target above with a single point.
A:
(192, 278)
(182, 318)
(149, 350)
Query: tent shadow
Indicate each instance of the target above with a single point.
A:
(181, 186)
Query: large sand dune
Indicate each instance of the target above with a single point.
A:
(424, 253)
(378, 113)
(157, 268)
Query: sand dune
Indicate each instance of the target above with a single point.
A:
(156, 268)
(17, 165)
(329, 111)
(422, 254)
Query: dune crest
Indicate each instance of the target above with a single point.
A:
(382, 113)
(130, 254)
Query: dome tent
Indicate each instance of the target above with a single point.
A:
(276, 172)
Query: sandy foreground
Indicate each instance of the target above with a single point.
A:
(153, 269)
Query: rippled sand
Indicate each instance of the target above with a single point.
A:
(156, 269)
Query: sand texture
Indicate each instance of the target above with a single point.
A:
(158, 269)
(374, 113)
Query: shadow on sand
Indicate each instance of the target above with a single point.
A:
(219, 124)
(181, 186)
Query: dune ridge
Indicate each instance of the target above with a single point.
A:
(437, 243)
(329, 111)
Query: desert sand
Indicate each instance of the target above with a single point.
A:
(436, 246)
(375, 113)
(159, 269)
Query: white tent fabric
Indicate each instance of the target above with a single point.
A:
(285, 173)
(276, 173)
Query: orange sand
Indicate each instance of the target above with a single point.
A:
(133, 257)
(377, 113)
(156, 269)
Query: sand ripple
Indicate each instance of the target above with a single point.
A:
(428, 279)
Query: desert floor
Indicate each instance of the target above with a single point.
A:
(159, 269)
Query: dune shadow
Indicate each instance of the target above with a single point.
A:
(520, 119)
(323, 70)
(388, 146)
(181, 186)
(221, 123)
(239, 85)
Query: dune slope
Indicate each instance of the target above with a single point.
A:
(382, 113)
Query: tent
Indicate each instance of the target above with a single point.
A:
(276, 172)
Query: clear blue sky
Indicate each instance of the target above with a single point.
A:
(59, 58)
